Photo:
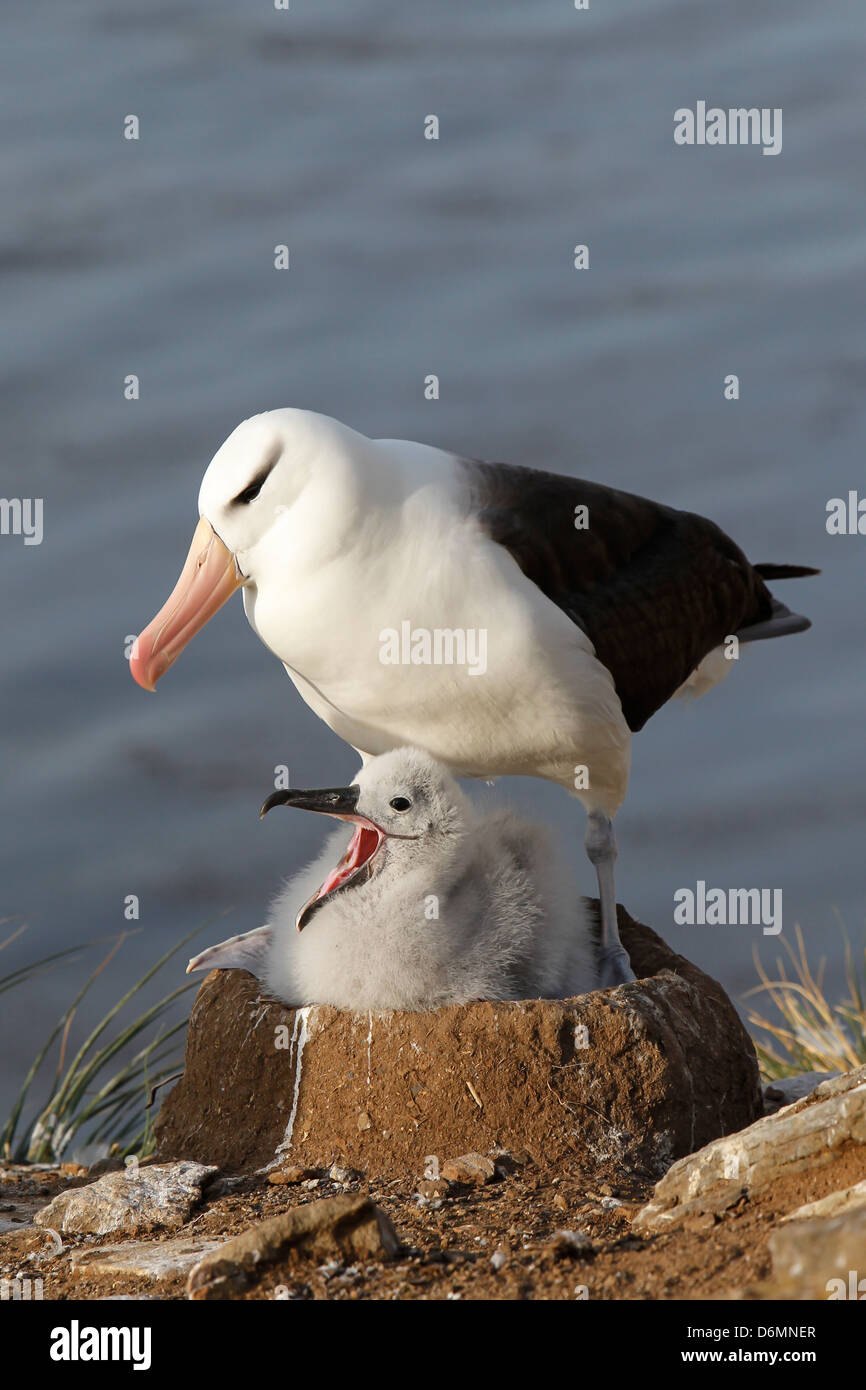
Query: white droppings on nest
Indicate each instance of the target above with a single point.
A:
(256, 1016)
(296, 1054)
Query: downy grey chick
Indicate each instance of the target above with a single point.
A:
(434, 901)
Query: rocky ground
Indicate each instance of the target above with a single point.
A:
(506, 1226)
(613, 1146)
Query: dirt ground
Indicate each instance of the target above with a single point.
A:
(449, 1240)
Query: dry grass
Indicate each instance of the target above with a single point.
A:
(808, 1033)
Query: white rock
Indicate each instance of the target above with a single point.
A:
(147, 1198)
(165, 1259)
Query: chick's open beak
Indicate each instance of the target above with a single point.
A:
(367, 840)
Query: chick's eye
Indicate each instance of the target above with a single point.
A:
(400, 803)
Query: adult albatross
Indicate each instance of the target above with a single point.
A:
(507, 620)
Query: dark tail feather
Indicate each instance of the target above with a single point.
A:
(784, 571)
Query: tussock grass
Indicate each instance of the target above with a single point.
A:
(807, 1032)
(95, 1096)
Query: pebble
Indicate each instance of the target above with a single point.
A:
(433, 1187)
(433, 1203)
(570, 1244)
(342, 1175)
(507, 1164)
(291, 1175)
(472, 1169)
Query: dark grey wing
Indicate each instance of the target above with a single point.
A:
(655, 589)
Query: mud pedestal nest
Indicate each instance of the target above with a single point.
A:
(640, 1075)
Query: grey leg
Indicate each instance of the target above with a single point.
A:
(614, 968)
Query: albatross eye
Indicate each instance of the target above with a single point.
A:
(250, 493)
(252, 490)
(400, 803)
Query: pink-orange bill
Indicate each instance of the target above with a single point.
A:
(208, 579)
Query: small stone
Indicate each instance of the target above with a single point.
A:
(474, 1170)
(434, 1203)
(433, 1187)
(570, 1245)
(364, 1121)
(311, 1184)
(342, 1175)
(290, 1176)
(332, 1229)
(560, 1203)
(159, 1197)
(507, 1164)
(610, 1203)
(498, 1260)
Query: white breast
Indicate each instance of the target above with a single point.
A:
(529, 696)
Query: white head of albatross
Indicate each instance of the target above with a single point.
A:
(285, 484)
(433, 902)
(374, 568)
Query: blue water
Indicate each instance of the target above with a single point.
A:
(411, 257)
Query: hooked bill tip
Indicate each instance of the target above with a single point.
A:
(275, 799)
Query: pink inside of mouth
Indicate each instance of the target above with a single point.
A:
(362, 847)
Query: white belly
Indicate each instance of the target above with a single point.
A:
(527, 698)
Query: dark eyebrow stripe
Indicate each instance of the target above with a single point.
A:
(258, 482)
